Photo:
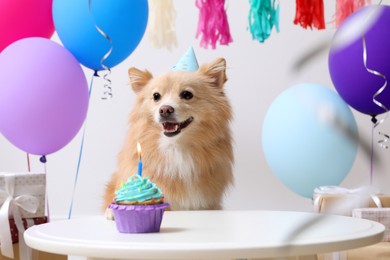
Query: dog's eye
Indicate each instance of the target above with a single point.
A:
(156, 96)
(186, 95)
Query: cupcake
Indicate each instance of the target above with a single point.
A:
(139, 206)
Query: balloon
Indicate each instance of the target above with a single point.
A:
(351, 79)
(44, 95)
(24, 18)
(123, 21)
(305, 138)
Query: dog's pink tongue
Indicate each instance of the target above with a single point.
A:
(169, 127)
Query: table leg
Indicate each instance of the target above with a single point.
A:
(307, 257)
(93, 258)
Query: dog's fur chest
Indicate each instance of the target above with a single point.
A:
(177, 162)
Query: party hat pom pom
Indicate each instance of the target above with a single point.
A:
(346, 7)
(161, 26)
(310, 13)
(187, 62)
(263, 16)
(213, 24)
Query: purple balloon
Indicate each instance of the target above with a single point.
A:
(351, 79)
(44, 95)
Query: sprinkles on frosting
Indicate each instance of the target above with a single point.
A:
(138, 190)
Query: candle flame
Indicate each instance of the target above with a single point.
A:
(139, 150)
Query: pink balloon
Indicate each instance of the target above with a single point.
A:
(24, 18)
(43, 95)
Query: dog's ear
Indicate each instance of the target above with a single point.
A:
(216, 71)
(138, 78)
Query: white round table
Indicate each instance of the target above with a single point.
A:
(209, 235)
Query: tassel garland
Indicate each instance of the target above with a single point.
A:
(346, 7)
(310, 13)
(161, 26)
(263, 15)
(213, 24)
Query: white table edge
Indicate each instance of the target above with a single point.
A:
(235, 251)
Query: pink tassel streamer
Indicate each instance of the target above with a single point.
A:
(344, 8)
(213, 25)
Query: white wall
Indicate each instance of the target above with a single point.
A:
(257, 74)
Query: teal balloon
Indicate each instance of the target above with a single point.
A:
(122, 21)
(309, 138)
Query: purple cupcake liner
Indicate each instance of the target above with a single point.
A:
(138, 218)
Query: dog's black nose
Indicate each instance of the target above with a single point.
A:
(166, 111)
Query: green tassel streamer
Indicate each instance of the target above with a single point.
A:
(263, 16)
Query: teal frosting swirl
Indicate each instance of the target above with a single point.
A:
(138, 189)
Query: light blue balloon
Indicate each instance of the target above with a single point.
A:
(123, 21)
(304, 138)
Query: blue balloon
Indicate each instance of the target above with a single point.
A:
(123, 21)
(309, 138)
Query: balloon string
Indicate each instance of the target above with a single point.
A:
(382, 142)
(372, 151)
(43, 160)
(28, 162)
(80, 156)
(107, 82)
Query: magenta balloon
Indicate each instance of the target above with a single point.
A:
(25, 18)
(353, 82)
(44, 95)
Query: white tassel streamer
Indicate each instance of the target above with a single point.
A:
(161, 27)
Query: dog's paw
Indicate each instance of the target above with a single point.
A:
(109, 214)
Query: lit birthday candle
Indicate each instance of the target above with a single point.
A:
(139, 160)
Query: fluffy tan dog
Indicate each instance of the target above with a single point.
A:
(181, 119)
